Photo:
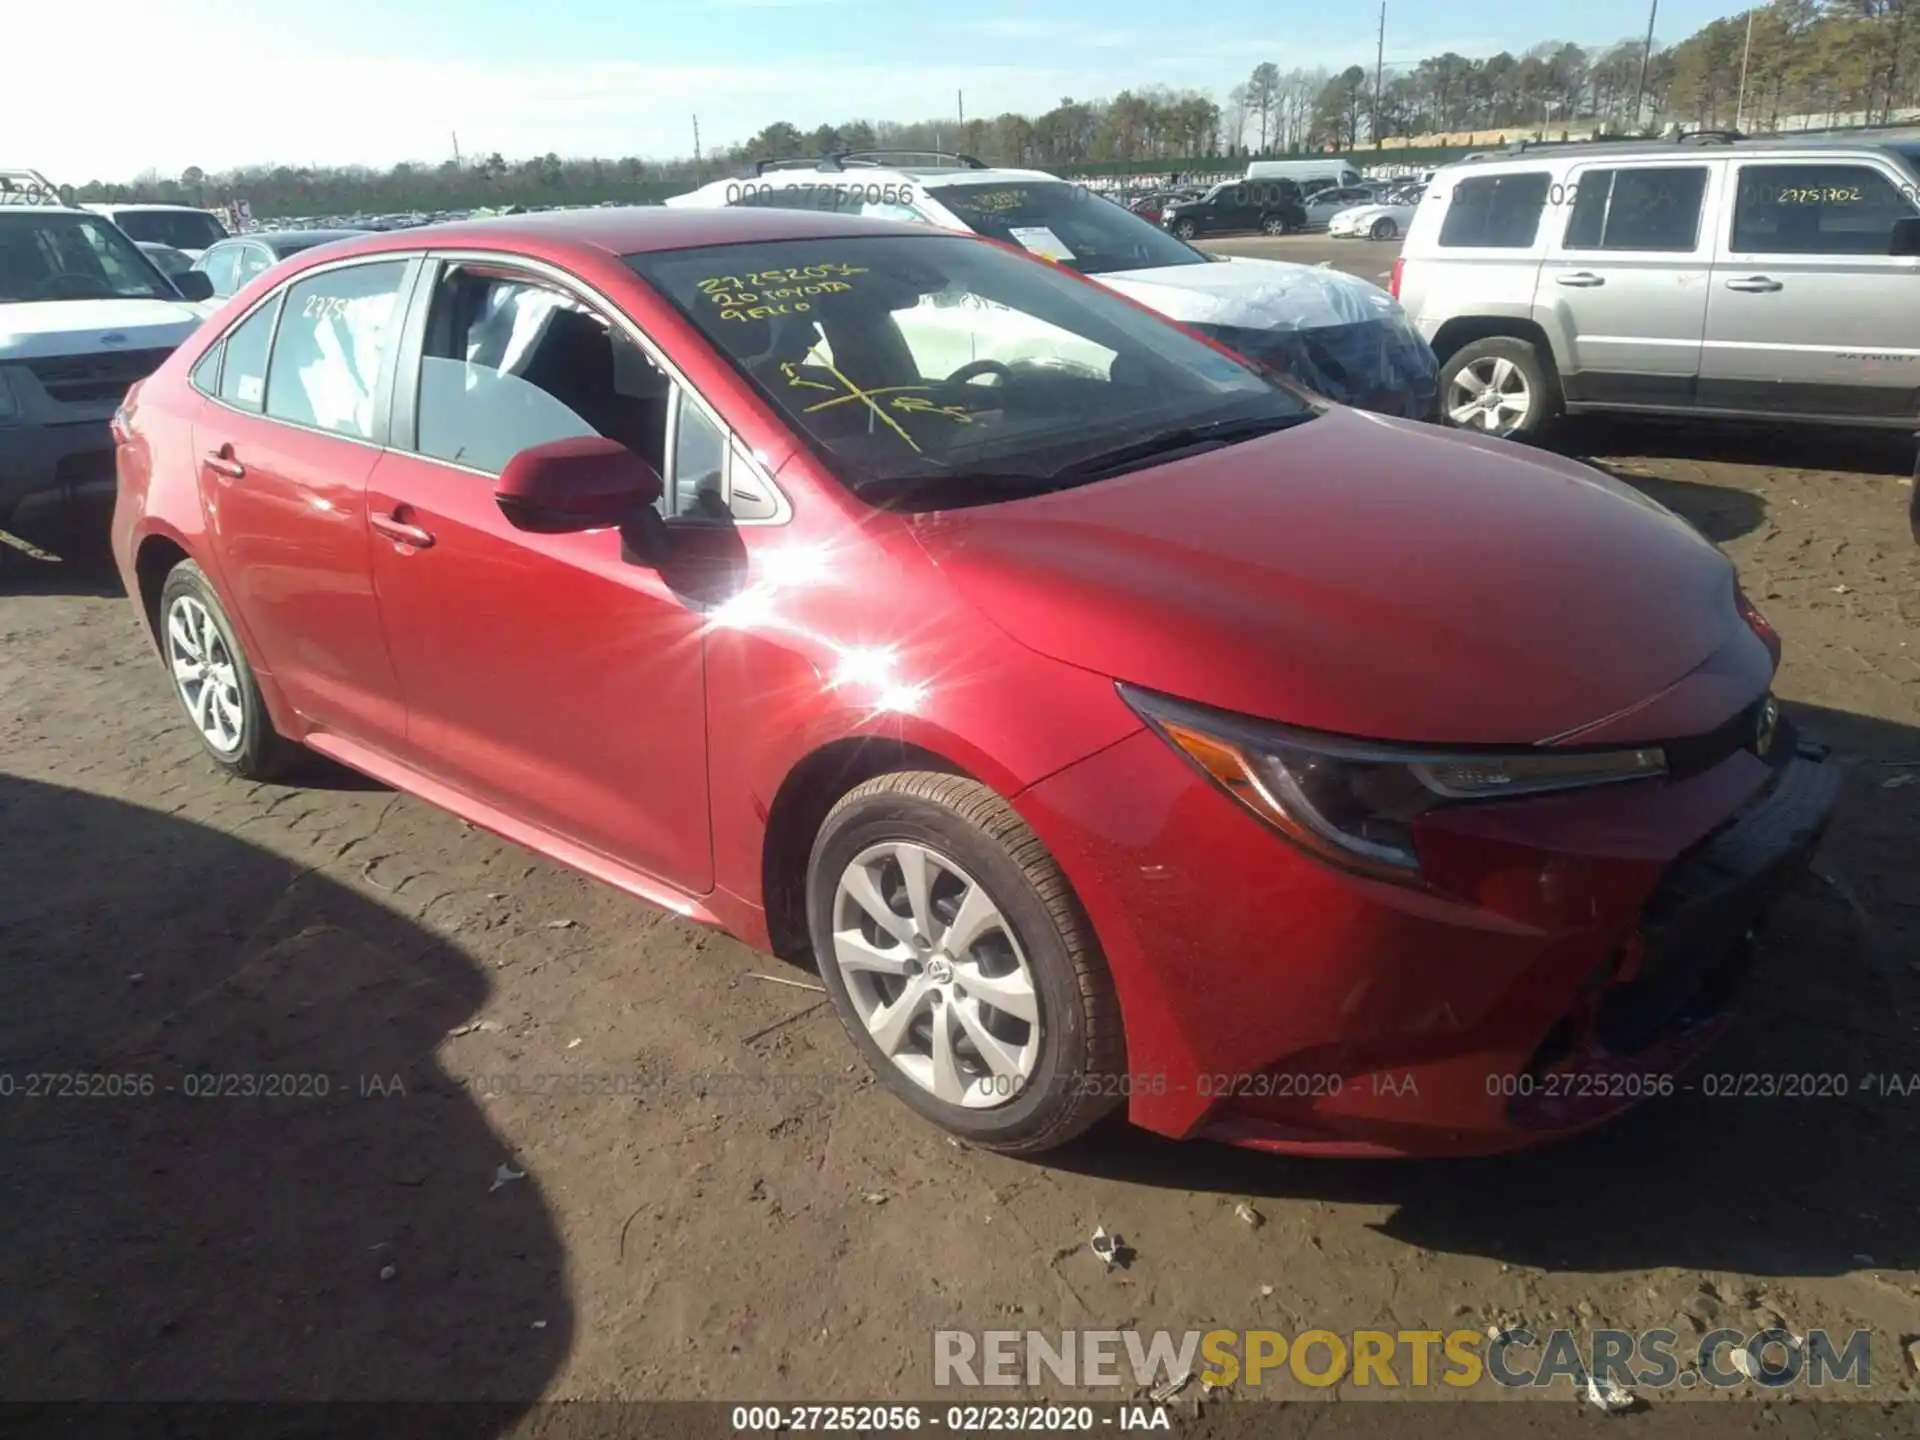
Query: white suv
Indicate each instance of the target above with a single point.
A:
(83, 314)
(1707, 275)
(1337, 335)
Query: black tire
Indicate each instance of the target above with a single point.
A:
(1077, 1077)
(1185, 229)
(261, 752)
(1275, 225)
(1386, 229)
(1542, 382)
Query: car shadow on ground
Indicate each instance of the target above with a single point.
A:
(224, 1121)
(1771, 1187)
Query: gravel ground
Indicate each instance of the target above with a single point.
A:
(750, 1217)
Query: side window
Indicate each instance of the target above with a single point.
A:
(254, 260)
(205, 375)
(337, 330)
(511, 363)
(1500, 212)
(221, 264)
(1816, 210)
(1655, 208)
(243, 379)
(699, 463)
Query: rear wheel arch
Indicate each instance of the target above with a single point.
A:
(156, 559)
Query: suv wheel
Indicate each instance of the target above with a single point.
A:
(1185, 229)
(961, 964)
(1385, 228)
(1275, 225)
(1498, 386)
(214, 681)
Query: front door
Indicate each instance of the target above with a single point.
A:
(1625, 279)
(545, 675)
(1807, 313)
(287, 447)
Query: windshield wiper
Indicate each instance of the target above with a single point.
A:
(1183, 437)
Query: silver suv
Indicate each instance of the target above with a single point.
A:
(1710, 275)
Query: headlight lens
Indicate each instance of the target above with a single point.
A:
(1352, 803)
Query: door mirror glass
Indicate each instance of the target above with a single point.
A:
(194, 285)
(1906, 238)
(584, 483)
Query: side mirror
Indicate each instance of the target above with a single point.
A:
(1906, 237)
(587, 483)
(194, 285)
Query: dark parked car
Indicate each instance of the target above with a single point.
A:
(1273, 206)
(232, 262)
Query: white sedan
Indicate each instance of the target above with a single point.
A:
(1385, 220)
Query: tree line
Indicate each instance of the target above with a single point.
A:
(1851, 59)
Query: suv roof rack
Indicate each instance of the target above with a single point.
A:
(1708, 137)
(760, 167)
(872, 157)
(28, 187)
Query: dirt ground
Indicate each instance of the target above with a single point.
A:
(750, 1217)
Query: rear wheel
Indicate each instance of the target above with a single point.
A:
(961, 964)
(214, 681)
(1385, 229)
(1275, 225)
(1499, 386)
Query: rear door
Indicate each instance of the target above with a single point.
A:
(1807, 312)
(1624, 283)
(286, 445)
(1486, 245)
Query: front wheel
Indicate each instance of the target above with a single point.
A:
(1499, 386)
(1185, 229)
(214, 681)
(961, 964)
(1275, 225)
(1385, 229)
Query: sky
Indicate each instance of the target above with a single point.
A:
(126, 87)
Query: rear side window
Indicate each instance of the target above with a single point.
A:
(1656, 208)
(243, 378)
(336, 334)
(1500, 212)
(1816, 210)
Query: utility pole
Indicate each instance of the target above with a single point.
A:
(1379, 73)
(699, 170)
(456, 149)
(960, 104)
(1640, 94)
(1740, 107)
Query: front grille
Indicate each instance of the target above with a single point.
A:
(84, 379)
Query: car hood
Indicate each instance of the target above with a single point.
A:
(32, 329)
(1256, 295)
(1362, 576)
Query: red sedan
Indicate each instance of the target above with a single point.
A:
(1112, 725)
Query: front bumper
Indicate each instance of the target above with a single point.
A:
(58, 449)
(1580, 941)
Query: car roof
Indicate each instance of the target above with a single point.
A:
(1707, 143)
(293, 239)
(108, 207)
(630, 230)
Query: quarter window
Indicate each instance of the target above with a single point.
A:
(509, 364)
(243, 378)
(699, 464)
(336, 335)
(1817, 210)
(1655, 208)
(1498, 212)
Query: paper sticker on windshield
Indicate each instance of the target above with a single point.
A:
(1041, 241)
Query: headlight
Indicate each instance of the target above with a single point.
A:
(9, 406)
(1352, 802)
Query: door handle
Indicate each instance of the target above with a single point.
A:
(1580, 280)
(221, 462)
(401, 532)
(1756, 285)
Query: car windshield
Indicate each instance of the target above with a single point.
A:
(935, 370)
(72, 257)
(1068, 223)
(182, 229)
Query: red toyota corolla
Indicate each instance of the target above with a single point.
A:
(1111, 725)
